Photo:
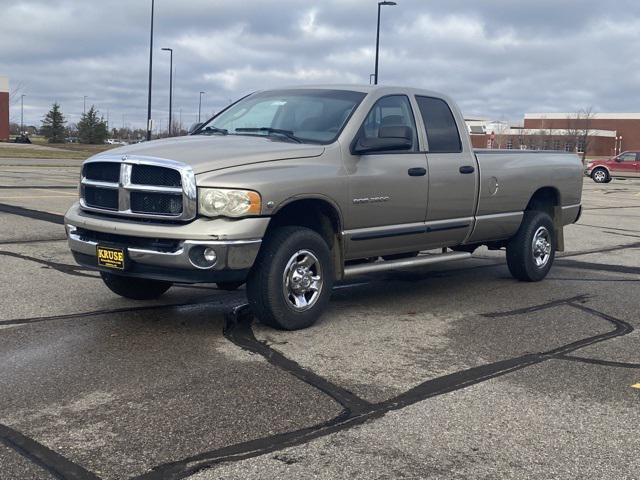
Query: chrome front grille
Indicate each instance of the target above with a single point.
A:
(140, 187)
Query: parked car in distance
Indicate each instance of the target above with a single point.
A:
(290, 190)
(625, 165)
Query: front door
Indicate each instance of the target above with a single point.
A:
(625, 165)
(387, 190)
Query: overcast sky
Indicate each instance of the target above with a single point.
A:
(497, 58)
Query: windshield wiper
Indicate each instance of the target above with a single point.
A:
(210, 129)
(272, 131)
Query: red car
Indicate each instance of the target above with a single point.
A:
(625, 165)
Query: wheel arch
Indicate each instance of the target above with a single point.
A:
(318, 213)
(549, 200)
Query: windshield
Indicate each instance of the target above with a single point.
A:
(305, 115)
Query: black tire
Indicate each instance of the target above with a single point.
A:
(133, 287)
(521, 258)
(229, 286)
(266, 283)
(598, 177)
(400, 256)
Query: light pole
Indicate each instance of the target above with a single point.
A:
(84, 105)
(170, 50)
(150, 74)
(200, 105)
(22, 113)
(375, 78)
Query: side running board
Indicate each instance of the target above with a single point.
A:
(420, 260)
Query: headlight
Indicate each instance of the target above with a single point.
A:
(216, 202)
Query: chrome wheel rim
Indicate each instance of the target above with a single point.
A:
(302, 280)
(599, 176)
(541, 247)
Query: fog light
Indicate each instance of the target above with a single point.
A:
(210, 255)
(202, 256)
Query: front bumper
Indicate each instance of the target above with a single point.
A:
(161, 251)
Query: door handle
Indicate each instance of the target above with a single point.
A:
(467, 169)
(417, 172)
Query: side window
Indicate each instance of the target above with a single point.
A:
(442, 131)
(628, 157)
(391, 111)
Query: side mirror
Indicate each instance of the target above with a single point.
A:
(389, 139)
(195, 127)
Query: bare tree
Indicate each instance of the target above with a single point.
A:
(579, 130)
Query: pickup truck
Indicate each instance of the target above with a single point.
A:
(625, 165)
(294, 189)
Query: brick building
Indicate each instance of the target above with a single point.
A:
(609, 133)
(4, 108)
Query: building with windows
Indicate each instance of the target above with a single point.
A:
(4, 108)
(607, 133)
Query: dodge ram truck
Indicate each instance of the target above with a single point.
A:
(294, 189)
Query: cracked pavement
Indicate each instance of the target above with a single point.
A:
(453, 371)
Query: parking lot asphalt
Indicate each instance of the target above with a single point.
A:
(455, 371)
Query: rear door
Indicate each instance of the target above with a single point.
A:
(452, 174)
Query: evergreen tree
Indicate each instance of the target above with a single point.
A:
(53, 125)
(91, 128)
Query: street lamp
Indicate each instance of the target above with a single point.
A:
(22, 113)
(380, 4)
(84, 104)
(150, 74)
(200, 105)
(170, 50)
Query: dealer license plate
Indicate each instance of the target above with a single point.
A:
(111, 257)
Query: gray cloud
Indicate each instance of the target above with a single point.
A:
(498, 58)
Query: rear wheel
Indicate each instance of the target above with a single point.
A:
(290, 284)
(135, 288)
(530, 253)
(600, 175)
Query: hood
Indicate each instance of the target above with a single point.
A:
(205, 153)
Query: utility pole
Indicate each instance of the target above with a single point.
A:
(200, 105)
(150, 74)
(84, 105)
(170, 50)
(380, 4)
(22, 113)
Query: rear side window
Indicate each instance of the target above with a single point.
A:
(442, 131)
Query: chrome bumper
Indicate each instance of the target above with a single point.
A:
(231, 254)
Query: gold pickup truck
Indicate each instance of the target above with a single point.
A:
(292, 190)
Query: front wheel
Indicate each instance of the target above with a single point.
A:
(290, 284)
(133, 287)
(600, 175)
(530, 253)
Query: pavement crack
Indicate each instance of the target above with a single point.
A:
(535, 308)
(21, 321)
(75, 270)
(239, 330)
(30, 213)
(54, 463)
(603, 267)
(597, 361)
